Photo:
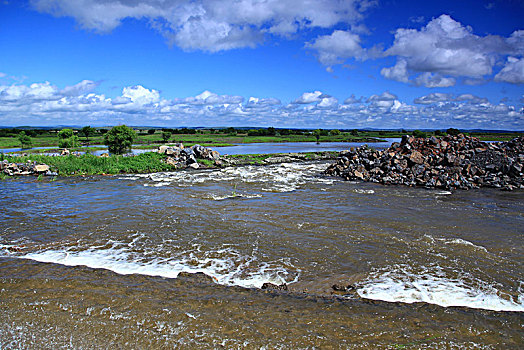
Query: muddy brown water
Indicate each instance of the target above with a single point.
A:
(177, 260)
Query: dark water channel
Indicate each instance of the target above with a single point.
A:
(112, 262)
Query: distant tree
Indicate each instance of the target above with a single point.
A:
(119, 139)
(67, 138)
(102, 131)
(86, 131)
(271, 131)
(418, 133)
(231, 131)
(166, 135)
(438, 133)
(317, 134)
(354, 132)
(151, 131)
(453, 131)
(25, 140)
(334, 132)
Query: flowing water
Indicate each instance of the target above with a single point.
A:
(177, 260)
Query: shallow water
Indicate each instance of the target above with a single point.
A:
(254, 148)
(103, 261)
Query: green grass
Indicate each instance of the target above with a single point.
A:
(207, 140)
(88, 164)
(146, 141)
(206, 162)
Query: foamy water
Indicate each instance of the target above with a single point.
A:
(226, 266)
(244, 227)
(285, 177)
(402, 284)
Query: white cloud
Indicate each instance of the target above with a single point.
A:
(384, 97)
(310, 97)
(328, 102)
(82, 87)
(444, 50)
(140, 95)
(254, 102)
(211, 25)
(210, 98)
(513, 71)
(431, 80)
(398, 72)
(352, 100)
(433, 98)
(335, 48)
(45, 104)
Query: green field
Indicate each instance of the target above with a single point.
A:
(215, 138)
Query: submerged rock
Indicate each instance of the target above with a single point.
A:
(271, 286)
(451, 162)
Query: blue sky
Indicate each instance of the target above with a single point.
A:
(283, 63)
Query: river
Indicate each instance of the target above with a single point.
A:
(113, 262)
(252, 148)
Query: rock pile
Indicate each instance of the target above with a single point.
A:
(29, 168)
(451, 162)
(182, 157)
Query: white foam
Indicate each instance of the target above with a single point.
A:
(454, 241)
(362, 191)
(217, 197)
(225, 266)
(443, 193)
(461, 241)
(285, 177)
(399, 285)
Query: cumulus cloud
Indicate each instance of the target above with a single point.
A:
(384, 97)
(335, 48)
(513, 71)
(310, 97)
(445, 49)
(352, 100)
(140, 95)
(398, 72)
(255, 102)
(431, 80)
(437, 97)
(210, 98)
(82, 87)
(211, 25)
(433, 98)
(46, 104)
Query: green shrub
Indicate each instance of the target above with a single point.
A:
(67, 139)
(119, 139)
(25, 140)
(166, 135)
(418, 133)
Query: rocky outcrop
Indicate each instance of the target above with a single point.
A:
(452, 162)
(181, 157)
(29, 168)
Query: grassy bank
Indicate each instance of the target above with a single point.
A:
(88, 164)
(149, 162)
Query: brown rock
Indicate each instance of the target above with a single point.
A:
(416, 157)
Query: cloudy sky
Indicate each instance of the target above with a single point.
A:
(282, 63)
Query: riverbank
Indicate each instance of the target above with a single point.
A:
(149, 162)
